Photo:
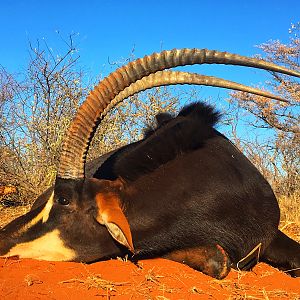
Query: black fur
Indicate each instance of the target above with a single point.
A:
(188, 194)
(161, 119)
(172, 137)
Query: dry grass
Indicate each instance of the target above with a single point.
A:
(8, 214)
(149, 285)
(106, 288)
(31, 280)
(239, 291)
(152, 285)
(292, 229)
(289, 207)
(140, 289)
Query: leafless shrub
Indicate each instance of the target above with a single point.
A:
(37, 107)
(35, 110)
(274, 146)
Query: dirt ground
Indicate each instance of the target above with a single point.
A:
(151, 279)
(157, 279)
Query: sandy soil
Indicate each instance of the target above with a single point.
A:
(151, 279)
(157, 279)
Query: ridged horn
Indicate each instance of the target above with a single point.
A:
(162, 78)
(83, 127)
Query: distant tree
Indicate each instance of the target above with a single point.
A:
(36, 108)
(278, 154)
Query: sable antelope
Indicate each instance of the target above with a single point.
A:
(183, 192)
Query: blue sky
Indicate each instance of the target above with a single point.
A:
(110, 29)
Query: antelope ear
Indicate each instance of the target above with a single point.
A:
(111, 215)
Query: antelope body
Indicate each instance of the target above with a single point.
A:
(183, 192)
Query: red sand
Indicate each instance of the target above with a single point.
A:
(153, 279)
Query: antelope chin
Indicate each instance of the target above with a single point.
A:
(48, 247)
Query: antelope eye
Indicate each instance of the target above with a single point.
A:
(63, 201)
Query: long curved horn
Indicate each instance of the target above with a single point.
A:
(83, 127)
(161, 78)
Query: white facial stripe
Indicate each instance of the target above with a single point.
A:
(47, 247)
(46, 211)
(43, 215)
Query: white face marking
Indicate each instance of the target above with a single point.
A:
(42, 216)
(46, 211)
(47, 247)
